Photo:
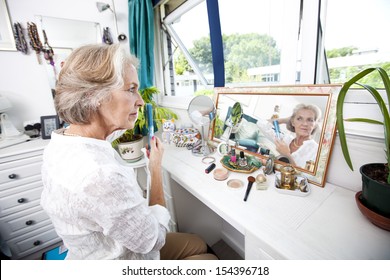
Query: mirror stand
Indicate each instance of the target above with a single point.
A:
(202, 112)
(204, 149)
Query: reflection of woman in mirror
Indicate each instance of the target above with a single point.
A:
(304, 123)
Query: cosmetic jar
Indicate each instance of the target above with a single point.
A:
(235, 184)
(261, 182)
(221, 174)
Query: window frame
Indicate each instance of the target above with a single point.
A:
(314, 68)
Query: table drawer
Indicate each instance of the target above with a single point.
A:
(25, 184)
(256, 249)
(33, 241)
(14, 171)
(11, 186)
(23, 222)
(21, 200)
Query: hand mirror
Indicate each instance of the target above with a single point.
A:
(201, 111)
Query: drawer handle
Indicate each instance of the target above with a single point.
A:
(36, 243)
(12, 176)
(29, 222)
(21, 200)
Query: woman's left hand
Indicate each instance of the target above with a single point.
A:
(155, 153)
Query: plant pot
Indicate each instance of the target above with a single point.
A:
(131, 151)
(375, 194)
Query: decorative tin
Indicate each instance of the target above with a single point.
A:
(186, 136)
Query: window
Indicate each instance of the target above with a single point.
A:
(188, 52)
(253, 39)
(272, 42)
(356, 39)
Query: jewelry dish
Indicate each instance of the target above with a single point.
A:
(235, 167)
(301, 186)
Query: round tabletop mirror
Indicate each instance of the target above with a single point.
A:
(233, 119)
(202, 112)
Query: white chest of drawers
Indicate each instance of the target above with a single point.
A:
(24, 226)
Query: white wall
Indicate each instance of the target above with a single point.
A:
(22, 79)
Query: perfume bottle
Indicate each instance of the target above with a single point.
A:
(242, 160)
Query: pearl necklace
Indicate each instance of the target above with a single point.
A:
(71, 134)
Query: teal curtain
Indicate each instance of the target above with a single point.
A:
(141, 29)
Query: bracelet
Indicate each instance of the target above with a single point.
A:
(208, 160)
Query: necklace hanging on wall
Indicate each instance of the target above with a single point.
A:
(48, 53)
(107, 38)
(35, 42)
(20, 41)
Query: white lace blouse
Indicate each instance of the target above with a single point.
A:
(96, 204)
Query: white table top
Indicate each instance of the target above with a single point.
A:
(326, 224)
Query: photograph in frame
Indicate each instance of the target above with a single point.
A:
(48, 125)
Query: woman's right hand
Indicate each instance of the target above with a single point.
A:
(282, 147)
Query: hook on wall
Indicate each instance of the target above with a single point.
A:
(101, 6)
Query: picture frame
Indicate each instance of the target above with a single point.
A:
(7, 40)
(48, 125)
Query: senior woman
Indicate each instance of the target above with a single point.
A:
(301, 148)
(92, 198)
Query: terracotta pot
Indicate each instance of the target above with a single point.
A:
(131, 151)
(375, 195)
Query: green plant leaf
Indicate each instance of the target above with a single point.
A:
(381, 103)
(363, 120)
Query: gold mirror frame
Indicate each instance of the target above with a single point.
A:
(259, 102)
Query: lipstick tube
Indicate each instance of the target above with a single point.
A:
(210, 168)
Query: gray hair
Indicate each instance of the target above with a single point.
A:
(88, 77)
(313, 108)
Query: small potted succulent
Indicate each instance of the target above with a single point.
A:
(375, 193)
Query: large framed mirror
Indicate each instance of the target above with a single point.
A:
(294, 124)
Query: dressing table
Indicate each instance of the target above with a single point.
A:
(326, 224)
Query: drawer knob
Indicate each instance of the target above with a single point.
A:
(12, 176)
(36, 243)
(21, 200)
(29, 222)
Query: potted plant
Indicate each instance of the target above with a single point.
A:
(375, 193)
(129, 145)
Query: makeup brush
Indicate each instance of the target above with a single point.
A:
(251, 180)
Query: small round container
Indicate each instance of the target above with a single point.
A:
(235, 184)
(221, 174)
